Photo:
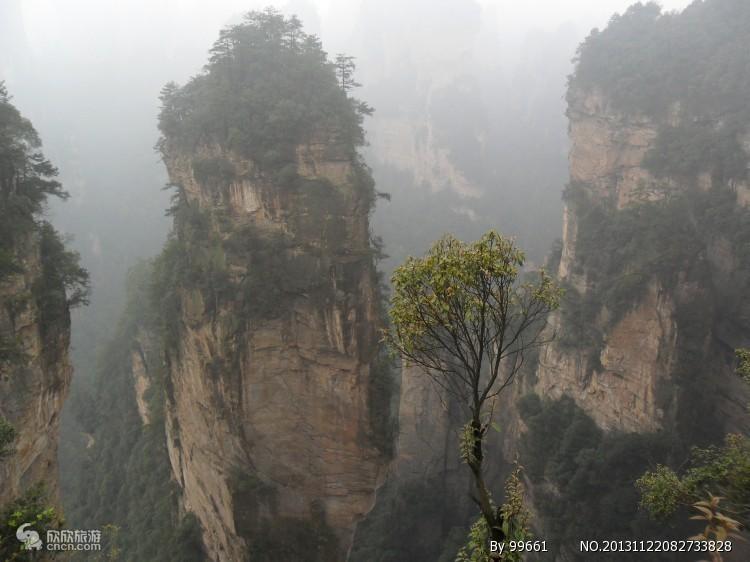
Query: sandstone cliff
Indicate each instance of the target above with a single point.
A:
(625, 379)
(270, 422)
(35, 382)
(39, 282)
(277, 394)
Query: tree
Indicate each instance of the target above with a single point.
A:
(267, 86)
(461, 315)
(724, 470)
(27, 178)
(32, 507)
(345, 68)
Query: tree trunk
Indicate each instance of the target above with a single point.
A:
(489, 512)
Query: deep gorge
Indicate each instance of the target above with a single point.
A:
(243, 404)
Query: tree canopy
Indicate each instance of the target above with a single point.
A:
(27, 178)
(722, 470)
(462, 315)
(692, 66)
(267, 87)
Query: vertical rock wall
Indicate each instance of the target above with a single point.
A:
(269, 423)
(627, 383)
(33, 386)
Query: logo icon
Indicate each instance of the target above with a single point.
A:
(30, 539)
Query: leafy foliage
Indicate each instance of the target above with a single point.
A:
(382, 389)
(460, 314)
(516, 525)
(685, 74)
(623, 252)
(477, 545)
(697, 57)
(743, 367)
(242, 102)
(11, 352)
(718, 527)
(583, 477)
(27, 179)
(460, 309)
(7, 435)
(33, 507)
(400, 526)
(267, 89)
(723, 470)
(64, 283)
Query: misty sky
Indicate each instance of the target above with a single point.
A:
(88, 74)
(89, 30)
(153, 41)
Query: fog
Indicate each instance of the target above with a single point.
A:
(88, 74)
(469, 130)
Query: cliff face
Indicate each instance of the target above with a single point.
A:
(39, 281)
(410, 145)
(624, 380)
(35, 378)
(607, 149)
(268, 411)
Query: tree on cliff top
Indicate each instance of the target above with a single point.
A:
(268, 86)
(462, 316)
(27, 179)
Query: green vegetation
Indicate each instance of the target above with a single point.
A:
(33, 508)
(64, 284)
(583, 477)
(272, 538)
(27, 179)
(11, 352)
(381, 392)
(516, 519)
(242, 102)
(277, 538)
(722, 470)
(244, 105)
(293, 539)
(693, 64)
(697, 57)
(460, 314)
(623, 252)
(267, 89)
(7, 435)
(687, 73)
(743, 364)
(125, 479)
